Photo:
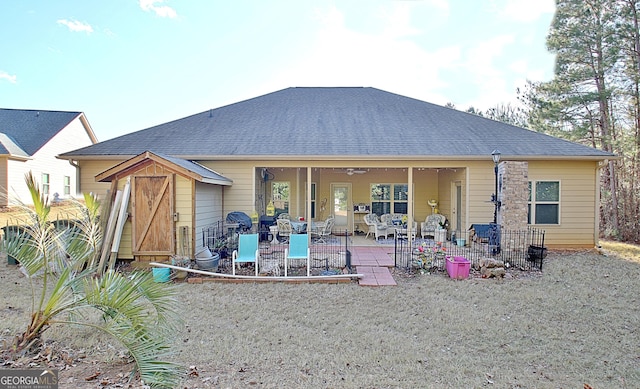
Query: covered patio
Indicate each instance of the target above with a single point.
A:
(312, 194)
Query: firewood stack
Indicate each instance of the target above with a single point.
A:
(492, 268)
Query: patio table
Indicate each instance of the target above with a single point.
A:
(299, 227)
(401, 233)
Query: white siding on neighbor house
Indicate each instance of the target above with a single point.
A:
(44, 161)
(4, 201)
(208, 206)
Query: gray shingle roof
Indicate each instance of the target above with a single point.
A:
(350, 122)
(29, 130)
(8, 146)
(206, 173)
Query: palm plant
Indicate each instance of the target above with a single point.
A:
(138, 312)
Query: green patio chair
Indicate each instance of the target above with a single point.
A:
(298, 249)
(247, 251)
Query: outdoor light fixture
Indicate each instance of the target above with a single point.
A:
(495, 155)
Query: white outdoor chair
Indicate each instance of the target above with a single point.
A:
(431, 223)
(376, 227)
(284, 229)
(323, 230)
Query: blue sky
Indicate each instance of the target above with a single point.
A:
(129, 65)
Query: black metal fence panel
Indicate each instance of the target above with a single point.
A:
(522, 249)
(329, 255)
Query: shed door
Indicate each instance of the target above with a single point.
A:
(153, 216)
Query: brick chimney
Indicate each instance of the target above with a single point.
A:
(513, 192)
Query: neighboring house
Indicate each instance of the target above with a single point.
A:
(320, 151)
(30, 140)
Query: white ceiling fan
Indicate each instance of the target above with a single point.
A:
(351, 172)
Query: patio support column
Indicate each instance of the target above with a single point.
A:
(254, 189)
(308, 210)
(410, 205)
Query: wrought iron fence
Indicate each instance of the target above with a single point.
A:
(522, 249)
(217, 235)
(329, 255)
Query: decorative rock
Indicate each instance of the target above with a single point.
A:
(490, 263)
(492, 272)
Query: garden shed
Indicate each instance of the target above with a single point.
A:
(170, 198)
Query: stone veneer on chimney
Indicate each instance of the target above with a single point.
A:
(513, 192)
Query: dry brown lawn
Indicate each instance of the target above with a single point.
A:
(15, 215)
(576, 323)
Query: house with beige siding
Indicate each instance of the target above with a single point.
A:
(345, 152)
(30, 140)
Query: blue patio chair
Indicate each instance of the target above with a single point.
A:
(298, 249)
(247, 251)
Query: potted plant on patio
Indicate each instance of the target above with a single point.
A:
(423, 259)
(221, 248)
(430, 257)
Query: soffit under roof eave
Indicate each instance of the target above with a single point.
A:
(394, 157)
(216, 182)
(14, 157)
(109, 157)
(252, 157)
(88, 128)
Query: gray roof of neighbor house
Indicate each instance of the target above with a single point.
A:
(23, 131)
(348, 122)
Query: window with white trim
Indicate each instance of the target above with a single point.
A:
(389, 198)
(544, 202)
(67, 185)
(45, 183)
(280, 196)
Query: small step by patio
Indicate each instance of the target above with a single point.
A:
(374, 263)
(375, 276)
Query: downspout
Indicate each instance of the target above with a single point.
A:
(75, 165)
(596, 232)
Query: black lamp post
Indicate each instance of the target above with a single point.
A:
(495, 155)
